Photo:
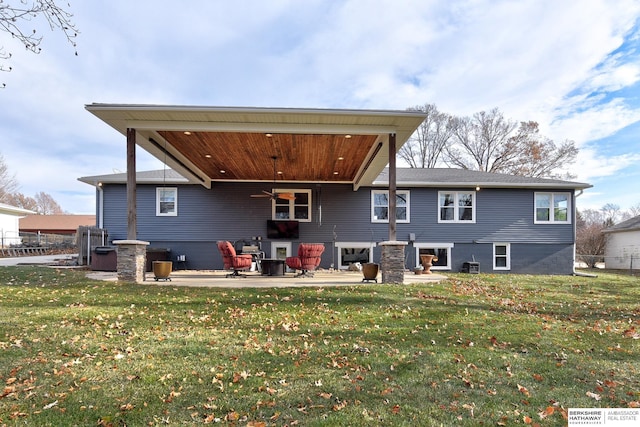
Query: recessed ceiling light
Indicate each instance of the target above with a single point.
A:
(268, 135)
(279, 172)
(348, 136)
(208, 156)
(340, 158)
(335, 173)
(223, 171)
(187, 133)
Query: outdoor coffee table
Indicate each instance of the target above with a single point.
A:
(272, 267)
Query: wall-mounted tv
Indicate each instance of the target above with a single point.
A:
(282, 229)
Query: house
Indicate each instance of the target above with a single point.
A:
(622, 248)
(319, 174)
(9, 224)
(55, 224)
(501, 222)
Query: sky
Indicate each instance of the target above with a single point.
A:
(573, 66)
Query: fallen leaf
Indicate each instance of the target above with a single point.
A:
(593, 395)
(527, 419)
(50, 405)
(547, 412)
(232, 416)
(523, 390)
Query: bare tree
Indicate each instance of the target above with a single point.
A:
(19, 200)
(590, 240)
(8, 182)
(538, 156)
(482, 142)
(611, 214)
(17, 19)
(632, 212)
(47, 205)
(489, 142)
(426, 145)
(43, 203)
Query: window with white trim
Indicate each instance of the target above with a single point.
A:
(380, 206)
(552, 208)
(296, 208)
(440, 250)
(502, 256)
(166, 201)
(350, 252)
(457, 206)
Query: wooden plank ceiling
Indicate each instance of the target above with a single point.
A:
(249, 156)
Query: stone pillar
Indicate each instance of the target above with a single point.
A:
(392, 261)
(132, 260)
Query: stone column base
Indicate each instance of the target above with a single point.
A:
(392, 261)
(132, 260)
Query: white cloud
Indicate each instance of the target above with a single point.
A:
(556, 62)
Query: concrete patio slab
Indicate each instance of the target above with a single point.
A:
(218, 279)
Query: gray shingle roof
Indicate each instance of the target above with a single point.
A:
(406, 177)
(167, 176)
(628, 225)
(446, 177)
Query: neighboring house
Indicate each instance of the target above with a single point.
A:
(9, 224)
(622, 249)
(505, 223)
(56, 224)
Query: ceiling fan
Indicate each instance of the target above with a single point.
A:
(273, 196)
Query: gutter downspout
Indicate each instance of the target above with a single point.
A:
(100, 205)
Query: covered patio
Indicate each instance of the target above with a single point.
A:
(207, 145)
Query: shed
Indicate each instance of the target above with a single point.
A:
(622, 249)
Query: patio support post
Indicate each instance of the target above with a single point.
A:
(392, 186)
(131, 253)
(392, 260)
(131, 185)
(131, 260)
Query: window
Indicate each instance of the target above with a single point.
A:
(166, 201)
(380, 206)
(552, 208)
(441, 250)
(456, 206)
(501, 256)
(298, 209)
(350, 252)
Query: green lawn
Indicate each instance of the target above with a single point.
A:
(471, 350)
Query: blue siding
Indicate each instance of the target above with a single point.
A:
(226, 212)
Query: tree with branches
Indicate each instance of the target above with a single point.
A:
(43, 203)
(482, 142)
(489, 142)
(590, 240)
(426, 145)
(17, 18)
(8, 182)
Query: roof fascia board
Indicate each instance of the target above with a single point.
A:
(298, 128)
(450, 184)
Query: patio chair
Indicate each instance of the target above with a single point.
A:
(308, 259)
(232, 261)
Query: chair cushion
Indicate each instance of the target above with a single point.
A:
(294, 262)
(230, 259)
(308, 257)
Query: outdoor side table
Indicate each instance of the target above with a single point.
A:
(272, 267)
